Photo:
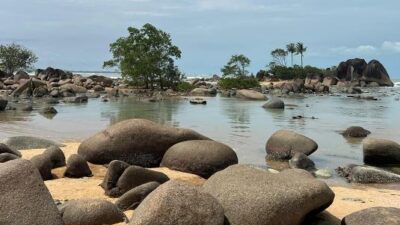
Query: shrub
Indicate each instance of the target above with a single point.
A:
(239, 82)
(184, 86)
(287, 73)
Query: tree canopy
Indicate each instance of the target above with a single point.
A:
(300, 50)
(236, 66)
(146, 57)
(279, 57)
(15, 57)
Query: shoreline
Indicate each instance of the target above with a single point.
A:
(348, 199)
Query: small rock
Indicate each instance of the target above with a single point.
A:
(374, 216)
(356, 132)
(131, 199)
(77, 167)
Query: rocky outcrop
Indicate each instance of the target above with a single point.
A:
(136, 141)
(283, 144)
(356, 70)
(24, 198)
(374, 216)
(251, 95)
(90, 212)
(178, 203)
(381, 152)
(256, 197)
(200, 157)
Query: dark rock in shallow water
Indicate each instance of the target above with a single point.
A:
(274, 103)
(134, 176)
(301, 161)
(77, 167)
(49, 110)
(3, 104)
(114, 171)
(283, 144)
(132, 198)
(56, 156)
(90, 212)
(178, 203)
(76, 99)
(5, 149)
(28, 142)
(367, 174)
(5, 157)
(136, 141)
(24, 198)
(201, 157)
(256, 197)
(381, 152)
(356, 132)
(374, 216)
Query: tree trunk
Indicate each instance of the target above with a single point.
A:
(291, 54)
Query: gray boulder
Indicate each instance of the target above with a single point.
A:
(77, 167)
(356, 131)
(251, 95)
(367, 174)
(136, 141)
(21, 75)
(76, 99)
(202, 92)
(114, 171)
(374, 216)
(3, 104)
(90, 212)
(178, 203)
(24, 198)
(283, 144)
(5, 149)
(274, 103)
(28, 142)
(5, 157)
(132, 198)
(56, 156)
(134, 176)
(253, 196)
(381, 152)
(44, 165)
(301, 161)
(201, 157)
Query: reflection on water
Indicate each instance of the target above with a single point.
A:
(244, 125)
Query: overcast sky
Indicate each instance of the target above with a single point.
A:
(75, 34)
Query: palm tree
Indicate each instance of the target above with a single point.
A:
(291, 48)
(300, 49)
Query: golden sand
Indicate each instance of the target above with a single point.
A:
(347, 199)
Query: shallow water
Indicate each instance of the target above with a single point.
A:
(243, 125)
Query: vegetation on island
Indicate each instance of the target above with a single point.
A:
(14, 57)
(235, 74)
(146, 57)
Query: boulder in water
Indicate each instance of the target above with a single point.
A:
(367, 174)
(381, 152)
(274, 103)
(356, 131)
(251, 95)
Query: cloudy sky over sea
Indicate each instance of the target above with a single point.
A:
(75, 34)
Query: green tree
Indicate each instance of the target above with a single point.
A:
(145, 56)
(15, 57)
(291, 48)
(300, 50)
(236, 66)
(279, 57)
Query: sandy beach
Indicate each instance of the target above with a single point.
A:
(347, 199)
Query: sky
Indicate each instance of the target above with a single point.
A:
(75, 34)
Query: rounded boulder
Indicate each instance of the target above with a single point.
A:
(200, 157)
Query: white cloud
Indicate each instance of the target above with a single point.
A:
(391, 46)
(362, 49)
(230, 5)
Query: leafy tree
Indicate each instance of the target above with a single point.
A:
(279, 56)
(15, 57)
(291, 48)
(236, 66)
(300, 50)
(146, 56)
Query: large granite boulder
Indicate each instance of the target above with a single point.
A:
(21, 75)
(374, 216)
(24, 198)
(283, 144)
(90, 212)
(28, 142)
(376, 72)
(178, 203)
(251, 95)
(114, 171)
(136, 141)
(102, 80)
(381, 152)
(56, 156)
(367, 174)
(253, 196)
(28, 87)
(200, 157)
(274, 103)
(50, 74)
(202, 92)
(132, 198)
(351, 69)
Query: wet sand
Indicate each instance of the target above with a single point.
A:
(347, 199)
